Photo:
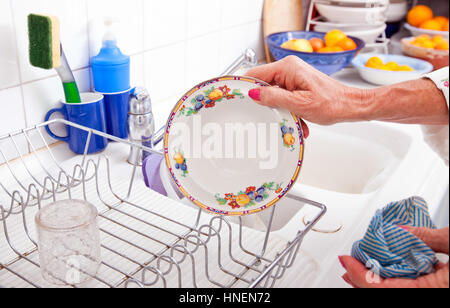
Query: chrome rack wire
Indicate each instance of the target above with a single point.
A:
(143, 244)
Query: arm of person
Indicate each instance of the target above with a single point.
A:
(412, 102)
(318, 98)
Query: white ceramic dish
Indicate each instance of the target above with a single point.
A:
(397, 11)
(382, 77)
(352, 15)
(231, 175)
(438, 58)
(368, 34)
(418, 31)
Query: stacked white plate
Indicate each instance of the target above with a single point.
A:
(364, 19)
(397, 10)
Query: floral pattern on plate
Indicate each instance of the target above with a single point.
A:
(250, 196)
(209, 99)
(287, 133)
(180, 162)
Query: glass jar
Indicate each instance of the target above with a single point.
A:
(68, 242)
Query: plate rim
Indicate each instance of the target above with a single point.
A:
(173, 178)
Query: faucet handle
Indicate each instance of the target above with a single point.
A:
(139, 102)
(250, 57)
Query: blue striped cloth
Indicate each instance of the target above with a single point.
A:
(392, 252)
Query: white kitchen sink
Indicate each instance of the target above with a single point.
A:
(354, 158)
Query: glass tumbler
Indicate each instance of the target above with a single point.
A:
(68, 242)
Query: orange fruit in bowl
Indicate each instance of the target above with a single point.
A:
(442, 20)
(419, 14)
(422, 38)
(317, 43)
(428, 44)
(337, 49)
(333, 37)
(431, 25)
(445, 27)
(437, 39)
(405, 68)
(347, 44)
(392, 66)
(374, 62)
(442, 46)
(384, 68)
(326, 50)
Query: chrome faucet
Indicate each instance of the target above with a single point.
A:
(141, 124)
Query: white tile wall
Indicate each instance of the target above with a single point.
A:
(174, 44)
(11, 104)
(9, 72)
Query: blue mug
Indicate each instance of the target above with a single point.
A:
(116, 108)
(89, 113)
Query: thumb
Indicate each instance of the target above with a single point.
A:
(436, 239)
(275, 97)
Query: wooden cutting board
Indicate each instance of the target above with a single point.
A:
(281, 15)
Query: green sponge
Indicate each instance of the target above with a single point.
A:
(46, 52)
(44, 47)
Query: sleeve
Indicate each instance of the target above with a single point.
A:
(437, 136)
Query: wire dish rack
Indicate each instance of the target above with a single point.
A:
(147, 239)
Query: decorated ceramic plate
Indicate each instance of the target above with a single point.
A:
(229, 155)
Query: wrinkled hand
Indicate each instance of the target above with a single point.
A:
(437, 240)
(306, 92)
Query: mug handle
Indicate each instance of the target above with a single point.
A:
(47, 128)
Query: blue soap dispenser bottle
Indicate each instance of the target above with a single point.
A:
(110, 68)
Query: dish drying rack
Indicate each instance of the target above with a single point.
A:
(143, 243)
(382, 42)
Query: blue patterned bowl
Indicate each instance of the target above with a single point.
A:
(328, 63)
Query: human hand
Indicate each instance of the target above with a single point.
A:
(306, 92)
(438, 240)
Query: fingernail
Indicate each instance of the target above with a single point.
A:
(406, 228)
(342, 262)
(255, 94)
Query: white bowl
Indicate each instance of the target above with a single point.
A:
(397, 11)
(368, 34)
(352, 15)
(418, 31)
(381, 77)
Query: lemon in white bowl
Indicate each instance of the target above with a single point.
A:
(382, 73)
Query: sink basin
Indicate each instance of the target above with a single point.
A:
(352, 158)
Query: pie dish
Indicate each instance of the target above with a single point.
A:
(229, 155)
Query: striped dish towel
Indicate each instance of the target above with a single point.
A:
(392, 252)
